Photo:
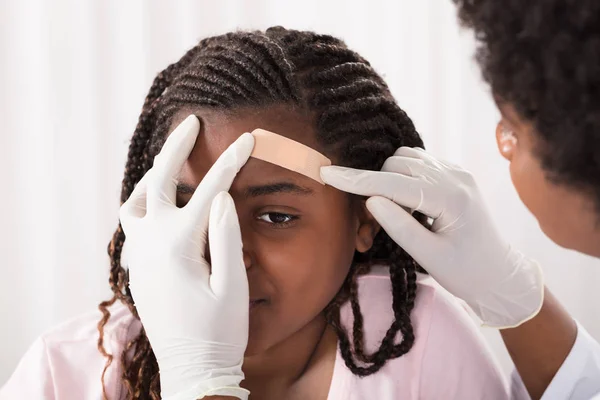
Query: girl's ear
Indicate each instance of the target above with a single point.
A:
(367, 228)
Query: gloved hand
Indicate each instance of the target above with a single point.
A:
(463, 251)
(195, 314)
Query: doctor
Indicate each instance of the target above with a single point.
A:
(542, 60)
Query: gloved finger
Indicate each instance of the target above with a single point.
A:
(409, 192)
(404, 229)
(168, 163)
(404, 165)
(419, 153)
(435, 163)
(451, 166)
(412, 152)
(363, 182)
(219, 178)
(228, 272)
(135, 206)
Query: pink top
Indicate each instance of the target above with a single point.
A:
(449, 359)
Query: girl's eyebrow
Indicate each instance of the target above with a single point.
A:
(276, 188)
(184, 188)
(258, 190)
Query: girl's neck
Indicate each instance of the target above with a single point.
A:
(305, 359)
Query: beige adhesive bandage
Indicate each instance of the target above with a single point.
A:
(289, 154)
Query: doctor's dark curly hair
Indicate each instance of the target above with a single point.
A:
(543, 58)
(356, 118)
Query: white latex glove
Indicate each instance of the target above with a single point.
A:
(195, 314)
(464, 251)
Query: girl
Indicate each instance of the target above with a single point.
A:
(336, 309)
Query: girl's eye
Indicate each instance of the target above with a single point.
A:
(276, 218)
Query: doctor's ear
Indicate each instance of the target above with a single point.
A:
(506, 141)
(367, 227)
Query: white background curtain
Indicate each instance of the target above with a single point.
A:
(73, 77)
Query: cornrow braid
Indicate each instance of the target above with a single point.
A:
(355, 118)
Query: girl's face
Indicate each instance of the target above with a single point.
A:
(299, 236)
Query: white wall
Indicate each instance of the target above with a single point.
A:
(73, 76)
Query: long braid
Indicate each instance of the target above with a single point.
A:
(137, 164)
(356, 118)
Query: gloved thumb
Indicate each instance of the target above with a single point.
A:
(403, 228)
(228, 273)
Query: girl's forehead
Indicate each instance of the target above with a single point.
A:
(219, 130)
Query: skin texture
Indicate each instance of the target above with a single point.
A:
(567, 216)
(291, 349)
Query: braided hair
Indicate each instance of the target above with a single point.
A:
(355, 117)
